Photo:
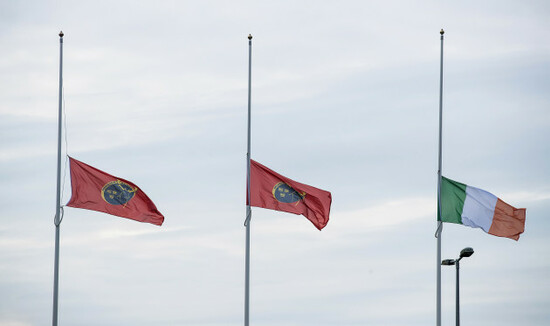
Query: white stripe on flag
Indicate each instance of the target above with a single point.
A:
(479, 208)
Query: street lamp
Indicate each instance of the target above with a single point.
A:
(466, 252)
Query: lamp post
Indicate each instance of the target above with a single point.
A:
(466, 252)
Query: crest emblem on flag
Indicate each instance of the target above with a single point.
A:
(286, 194)
(117, 192)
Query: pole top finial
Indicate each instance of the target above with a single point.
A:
(249, 36)
(61, 34)
(442, 32)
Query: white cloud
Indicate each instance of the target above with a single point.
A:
(14, 323)
(389, 214)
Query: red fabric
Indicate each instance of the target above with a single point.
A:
(98, 191)
(270, 190)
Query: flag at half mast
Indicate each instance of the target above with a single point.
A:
(477, 208)
(270, 190)
(96, 190)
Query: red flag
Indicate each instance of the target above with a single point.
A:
(274, 191)
(98, 191)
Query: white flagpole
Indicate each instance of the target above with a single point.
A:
(248, 210)
(57, 220)
(439, 223)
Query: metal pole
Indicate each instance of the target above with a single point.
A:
(248, 210)
(457, 293)
(439, 223)
(57, 220)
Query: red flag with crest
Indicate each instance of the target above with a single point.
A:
(273, 191)
(98, 191)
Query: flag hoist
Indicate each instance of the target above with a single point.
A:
(248, 210)
(439, 223)
(57, 219)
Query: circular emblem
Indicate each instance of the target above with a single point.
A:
(286, 194)
(117, 192)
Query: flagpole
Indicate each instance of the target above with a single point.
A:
(57, 220)
(439, 223)
(248, 210)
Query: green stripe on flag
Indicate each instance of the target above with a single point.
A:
(453, 195)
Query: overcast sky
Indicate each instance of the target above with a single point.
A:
(344, 98)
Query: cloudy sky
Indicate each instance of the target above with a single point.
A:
(344, 97)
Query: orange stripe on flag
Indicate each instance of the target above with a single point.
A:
(508, 221)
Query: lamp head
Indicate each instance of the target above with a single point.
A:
(466, 252)
(448, 262)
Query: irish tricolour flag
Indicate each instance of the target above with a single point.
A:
(478, 208)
